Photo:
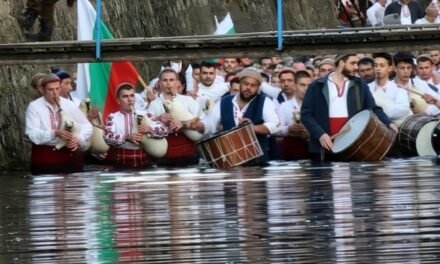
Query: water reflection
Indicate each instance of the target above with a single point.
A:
(286, 213)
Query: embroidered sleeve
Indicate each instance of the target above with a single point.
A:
(110, 135)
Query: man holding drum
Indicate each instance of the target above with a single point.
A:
(249, 105)
(331, 101)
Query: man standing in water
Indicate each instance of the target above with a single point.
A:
(331, 101)
(45, 130)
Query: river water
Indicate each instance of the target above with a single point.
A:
(291, 212)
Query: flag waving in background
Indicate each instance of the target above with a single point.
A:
(225, 27)
(99, 80)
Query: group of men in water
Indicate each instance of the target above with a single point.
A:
(295, 107)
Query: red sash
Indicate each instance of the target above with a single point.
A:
(48, 160)
(130, 158)
(336, 123)
(292, 148)
(179, 146)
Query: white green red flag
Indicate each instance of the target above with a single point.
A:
(99, 80)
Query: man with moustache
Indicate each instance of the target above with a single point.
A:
(331, 101)
(287, 83)
(45, 131)
(230, 65)
(249, 105)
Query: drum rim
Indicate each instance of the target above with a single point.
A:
(222, 133)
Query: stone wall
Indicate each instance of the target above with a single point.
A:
(134, 18)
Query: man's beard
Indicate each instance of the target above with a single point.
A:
(247, 99)
(347, 74)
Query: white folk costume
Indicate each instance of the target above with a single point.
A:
(118, 126)
(181, 149)
(418, 104)
(338, 108)
(393, 100)
(207, 97)
(42, 120)
(289, 147)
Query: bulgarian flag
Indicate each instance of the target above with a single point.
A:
(225, 27)
(99, 80)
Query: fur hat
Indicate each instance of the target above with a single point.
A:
(250, 73)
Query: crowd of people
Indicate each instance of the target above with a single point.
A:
(357, 13)
(295, 105)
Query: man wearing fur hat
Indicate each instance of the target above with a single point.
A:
(56, 145)
(331, 101)
(249, 105)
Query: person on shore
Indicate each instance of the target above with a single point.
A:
(124, 135)
(182, 150)
(55, 148)
(249, 105)
(66, 85)
(44, 9)
(326, 66)
(287, 83)
(407, 10)
(331, 101)
(366, 69)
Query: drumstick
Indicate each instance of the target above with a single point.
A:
(343, 130)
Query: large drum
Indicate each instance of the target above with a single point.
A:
(366, 140)
(435, 139)
(417, 135)
(231, 148)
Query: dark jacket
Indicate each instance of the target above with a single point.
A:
(415, 9)
(315, 108)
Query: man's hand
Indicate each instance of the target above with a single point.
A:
(73, 144)
(135, 138)
(393, 127)
(326, 142)
(244, 120)
(193, 94)
(92, 114)
(64, 135)
(429, 99)
(165, 118)
(144, 129)
(176, 126)
(150, 95)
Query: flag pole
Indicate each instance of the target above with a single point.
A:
(98, 30)
(280, 24)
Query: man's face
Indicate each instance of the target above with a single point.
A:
(287, 83)
(235, 88)
(298, 66)
(52, 92)
(126, 100)
(276, 60)
(207, 76)
(230, 64)
(435, 56)
(403, 71)
(196, 74)
(382, 69)
(265, 63)
(248, 88)
(325, 69)
(168, 83)
(424, 70)
(66, 87)
(246, 61)
(350, 66)
(366, 72)
(301, 87)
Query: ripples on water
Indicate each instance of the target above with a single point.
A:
(386, 212)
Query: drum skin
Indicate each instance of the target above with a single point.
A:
(372, 144)
(230, 148)
(407, 137)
